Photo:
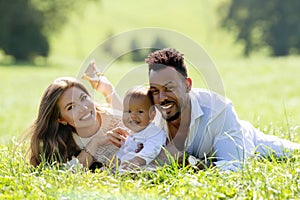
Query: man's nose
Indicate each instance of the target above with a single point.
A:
(162, 96)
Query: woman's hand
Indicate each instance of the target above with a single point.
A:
(133, 164)
(101, 139)
(117, 136)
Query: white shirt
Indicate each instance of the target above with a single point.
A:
(215, 131)
(152, 138)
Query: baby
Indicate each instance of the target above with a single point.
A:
(138, 113)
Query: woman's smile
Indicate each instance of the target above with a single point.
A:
(86, 116)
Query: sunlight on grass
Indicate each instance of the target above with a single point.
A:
(273, 179)
(264, 91)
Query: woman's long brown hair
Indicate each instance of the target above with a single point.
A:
(52, 141)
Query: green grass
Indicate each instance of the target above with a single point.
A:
(265, 91)
(260, 96)
(260, 179)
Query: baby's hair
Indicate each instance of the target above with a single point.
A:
(138, 92)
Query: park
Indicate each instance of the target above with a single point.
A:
(263, 87)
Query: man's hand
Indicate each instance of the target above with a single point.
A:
(164, 156)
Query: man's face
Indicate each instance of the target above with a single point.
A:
(170, 92)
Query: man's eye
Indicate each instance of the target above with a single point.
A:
(154, 92)
(170, 89)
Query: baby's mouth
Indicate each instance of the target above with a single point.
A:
(135, 122)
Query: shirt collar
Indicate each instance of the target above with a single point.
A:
(196, 110)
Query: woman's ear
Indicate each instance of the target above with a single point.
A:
(188, 83)
(61, 121)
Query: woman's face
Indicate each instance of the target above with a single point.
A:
(77, 108)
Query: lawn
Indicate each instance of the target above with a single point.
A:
(264, 90)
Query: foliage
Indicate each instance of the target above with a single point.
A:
(28, 24)
(271, 23)
(56, 13)
(21, 34)
(139, 55)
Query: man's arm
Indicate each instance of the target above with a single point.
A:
(181, 157)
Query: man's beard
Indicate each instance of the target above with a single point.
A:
(174, 117)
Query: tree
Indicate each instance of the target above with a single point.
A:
(27, 24)
(21, 34)
(271, 23)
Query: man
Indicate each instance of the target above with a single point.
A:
(200, 122)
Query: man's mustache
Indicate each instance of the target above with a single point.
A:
(165, 102)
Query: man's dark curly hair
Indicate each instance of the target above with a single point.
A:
(167, 57)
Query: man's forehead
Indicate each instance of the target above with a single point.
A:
(161, 83)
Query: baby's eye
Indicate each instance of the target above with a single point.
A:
(141, 111)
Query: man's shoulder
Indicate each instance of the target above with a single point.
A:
(208, 98)
(207, 94)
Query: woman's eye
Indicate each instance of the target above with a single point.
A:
(70, 107)
(84, 97)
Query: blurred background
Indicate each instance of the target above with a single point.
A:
(254, 45)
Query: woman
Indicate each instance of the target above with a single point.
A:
(70, 124)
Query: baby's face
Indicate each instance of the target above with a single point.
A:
(136, 114)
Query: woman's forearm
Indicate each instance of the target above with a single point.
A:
(85, 158)
(87, 155)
